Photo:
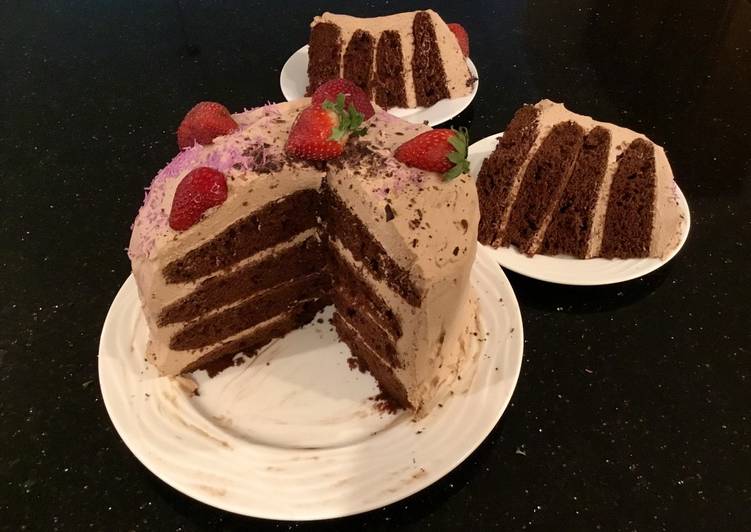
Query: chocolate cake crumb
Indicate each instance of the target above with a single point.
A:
(217, 366)
(415, 222)
(385, 404)
(355, 363)
(389, 213)
(456, 251)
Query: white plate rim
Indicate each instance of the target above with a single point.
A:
(515, 348)
(568, 270)
(435, 115)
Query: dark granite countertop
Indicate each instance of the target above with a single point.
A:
(632, 409)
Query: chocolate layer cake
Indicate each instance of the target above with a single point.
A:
(404, 60)
(400, 243)
(563, 183)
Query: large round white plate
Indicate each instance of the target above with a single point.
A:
(292, 433)
(294, 81)
(565, 269)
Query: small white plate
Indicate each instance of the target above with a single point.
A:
(294, 81)
(565, 269)
(292, 434)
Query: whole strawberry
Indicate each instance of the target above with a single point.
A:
(352, 95)
(203, 123)
(321, 130)
(438, 150)
(461, 36)
(201, 189)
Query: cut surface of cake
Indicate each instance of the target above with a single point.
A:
(563, 183)
(398, 241)
(404, 60)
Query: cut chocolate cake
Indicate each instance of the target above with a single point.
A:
(403, 60)
(563, 183)
(399, 241)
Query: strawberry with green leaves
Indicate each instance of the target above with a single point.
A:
(321, 130)
(439, 150)
(353, 95)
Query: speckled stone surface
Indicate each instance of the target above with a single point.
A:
(632, 410)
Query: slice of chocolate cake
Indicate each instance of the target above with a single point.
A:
(563, 183)
(404, 60)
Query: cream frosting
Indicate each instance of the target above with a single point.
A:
(458, 77)
(442, 218)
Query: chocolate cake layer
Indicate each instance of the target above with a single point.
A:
(271, 225)
(366, 327)
(384, 375)
(542, 185)
(427, 65)
(628, 218)
(251, 312)
(350, 284)
(342, 224)
(358, 60)
(323, 55)
(571, 226)
(293, 319)
(297, 261)
(498, 172)
(388, 82)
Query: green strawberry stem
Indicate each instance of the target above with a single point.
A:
(349, 119)
(460, 143)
